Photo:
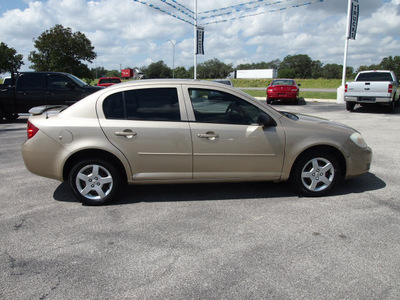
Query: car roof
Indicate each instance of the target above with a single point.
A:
(151, 82)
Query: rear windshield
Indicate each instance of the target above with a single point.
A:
(374, 76)
(109, 80)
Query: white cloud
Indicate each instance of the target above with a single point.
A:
(127, 33)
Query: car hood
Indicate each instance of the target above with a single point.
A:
(312, 120)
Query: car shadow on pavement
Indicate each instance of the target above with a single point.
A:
(375, 108)
(221, 191)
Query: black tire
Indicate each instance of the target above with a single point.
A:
(350, 106)
(1, 115)
(95, 181)
(315, 173)
(391, 107)
(269, 101)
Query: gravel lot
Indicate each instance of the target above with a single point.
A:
(206, 241)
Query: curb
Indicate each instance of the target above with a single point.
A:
(308, 100)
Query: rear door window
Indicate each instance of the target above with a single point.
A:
(154, 104)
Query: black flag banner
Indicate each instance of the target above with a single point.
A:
(200, 40)
(355, 10)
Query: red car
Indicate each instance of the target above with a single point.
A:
(283, 90)
(107, 81)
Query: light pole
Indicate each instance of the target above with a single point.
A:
(173, 43)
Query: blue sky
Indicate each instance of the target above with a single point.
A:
(128, 33)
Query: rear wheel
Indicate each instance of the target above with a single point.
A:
(350, 106)
(314, 174)
(95, 181)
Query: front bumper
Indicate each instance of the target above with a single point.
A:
(358, 159)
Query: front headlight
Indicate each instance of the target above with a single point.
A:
(358, 140)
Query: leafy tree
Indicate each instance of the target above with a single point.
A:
(10, 61)
(157, 70)
(59, 49)
(113, 73)
(332, 71)
(181, 72)
(392, 64)
(274, 64)
(214, 69)
(98, 72)
(299, 66)
(316, 69)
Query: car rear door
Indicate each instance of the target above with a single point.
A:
(146, 125)
(227, 141)
(29, 91)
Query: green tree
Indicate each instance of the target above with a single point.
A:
(299, 66)
(332, 71)
(392, 64)
(181, 72)
(98, 72)
(113, 73)
(274, 64)
(213, 68)
(316, 69)
(10, 61)
(157, 70)
(59, 49)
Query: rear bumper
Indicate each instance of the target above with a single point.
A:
(368, 99)
(283, 96)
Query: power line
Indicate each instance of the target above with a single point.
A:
(185, 14)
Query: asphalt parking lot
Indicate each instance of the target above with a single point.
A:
(206, 241)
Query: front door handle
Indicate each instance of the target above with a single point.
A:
(208, 135)
(126, 133)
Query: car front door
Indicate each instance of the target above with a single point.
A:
(145, 125)
(228, 143)
(61, 90)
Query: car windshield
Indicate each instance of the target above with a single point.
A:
(78, 81)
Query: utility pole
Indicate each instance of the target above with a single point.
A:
(195, 40)
(173, 43)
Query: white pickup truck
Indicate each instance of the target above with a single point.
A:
(372, 87)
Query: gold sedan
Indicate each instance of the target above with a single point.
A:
(176, 131)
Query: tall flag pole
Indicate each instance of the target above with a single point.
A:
(353, 11)
(195, 40)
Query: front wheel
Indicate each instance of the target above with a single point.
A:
(314, 174)
(95, 181)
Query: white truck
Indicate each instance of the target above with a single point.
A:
(254, 74)
(372, 87)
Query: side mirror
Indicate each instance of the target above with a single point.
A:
(265, 120)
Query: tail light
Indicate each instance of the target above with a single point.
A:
(390, 88)
(345, 88)
(31, 130)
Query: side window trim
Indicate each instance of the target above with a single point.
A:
(180, 104)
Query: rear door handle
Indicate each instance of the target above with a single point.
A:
(208, 135)
(126, 133)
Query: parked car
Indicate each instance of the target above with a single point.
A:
(187, 131)
(283, 90)
(223, 81)
(41, 88)
(372, 87)
(107, 81)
